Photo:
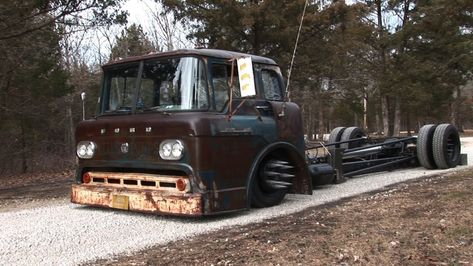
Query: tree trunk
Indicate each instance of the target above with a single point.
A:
(70, 130)
(355, 119)
(308, 112)
(453, 116)
(408, 123)
(321, 130)
(379, 125)
(455, 112)
(24, 152)
(3, 98)
(382, 55)
(365, 112)
(385, 113)
(378, 118)
(397, 116)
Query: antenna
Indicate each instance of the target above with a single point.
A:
(286, 97)
(82, 97)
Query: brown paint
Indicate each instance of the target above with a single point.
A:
(220, 151)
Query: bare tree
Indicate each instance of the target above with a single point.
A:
(82, 14)
(165, 30)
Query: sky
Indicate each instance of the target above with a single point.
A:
(95, 44)
(139, 11)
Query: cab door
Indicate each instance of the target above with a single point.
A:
(286, 114)
(240, 130)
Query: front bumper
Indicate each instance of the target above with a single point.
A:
(141, 200)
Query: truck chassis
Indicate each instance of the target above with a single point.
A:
(350, 152)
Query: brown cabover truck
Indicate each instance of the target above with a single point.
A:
(199, 132)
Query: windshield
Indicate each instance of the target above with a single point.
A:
(171, 84)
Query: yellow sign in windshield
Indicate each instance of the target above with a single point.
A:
(245, 73)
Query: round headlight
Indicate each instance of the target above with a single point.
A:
(81, 150)
(86, 149)
(171, 149)
(167, 150)
(177, 149)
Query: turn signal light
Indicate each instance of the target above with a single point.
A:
(181, 184)
(86, 178)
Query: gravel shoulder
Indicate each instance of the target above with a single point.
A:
(59, 231)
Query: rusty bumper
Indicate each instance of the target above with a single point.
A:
(154, 201)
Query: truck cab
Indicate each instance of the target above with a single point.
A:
(176, 133)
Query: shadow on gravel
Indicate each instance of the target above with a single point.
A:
(160, 217)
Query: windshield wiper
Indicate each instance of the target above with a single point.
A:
(158, 109)
(121, 109)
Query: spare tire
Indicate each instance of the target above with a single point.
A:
(352, 133)
(425, 153)
(446, 146)
(335, 136)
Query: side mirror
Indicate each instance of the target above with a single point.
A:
(82, 97)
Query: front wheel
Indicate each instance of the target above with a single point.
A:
(271, 182)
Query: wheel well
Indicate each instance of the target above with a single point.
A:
(301, 183)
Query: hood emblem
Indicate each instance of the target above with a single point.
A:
(125, 147)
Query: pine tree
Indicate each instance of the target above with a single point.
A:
(132, 42)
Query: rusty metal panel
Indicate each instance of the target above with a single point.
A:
(290, 127)
(139, 200)
(194, 52)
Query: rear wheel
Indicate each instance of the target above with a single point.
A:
(446, 146)
(425, 153)
(271, 182)
(352, 133)
(335, 135)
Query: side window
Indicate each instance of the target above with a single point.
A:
(221, 79)
(271, 85)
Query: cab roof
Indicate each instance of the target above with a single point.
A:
(215, 53)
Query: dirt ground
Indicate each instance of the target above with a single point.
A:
(34, 190)
(424, 222)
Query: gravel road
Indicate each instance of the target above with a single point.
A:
(68, 234)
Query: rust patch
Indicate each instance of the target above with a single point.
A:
(139, 200)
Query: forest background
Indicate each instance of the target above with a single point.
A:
(385, 65)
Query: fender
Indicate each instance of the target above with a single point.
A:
(302, 182)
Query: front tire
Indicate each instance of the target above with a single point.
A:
(264, 194)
